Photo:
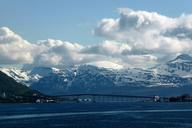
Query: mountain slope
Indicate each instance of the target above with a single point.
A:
(9, 86)
(180, 66)
(91, 79)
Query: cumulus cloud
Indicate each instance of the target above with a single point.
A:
(141, 61)
(13, 48)
(107, 48)
(57, 53)
(109, 54)
(61, 53)
(149, 31)
(136, 38)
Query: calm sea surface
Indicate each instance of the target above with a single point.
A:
(96, 115)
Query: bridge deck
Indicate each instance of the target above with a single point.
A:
(105, 97)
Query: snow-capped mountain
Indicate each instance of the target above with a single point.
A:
(28, 77)
(180, 66)
(18, 74)
(171, 77)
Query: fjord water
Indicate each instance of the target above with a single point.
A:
(96, 115)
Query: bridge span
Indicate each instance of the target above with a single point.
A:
(107, 98)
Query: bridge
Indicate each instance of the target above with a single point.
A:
(107, 98)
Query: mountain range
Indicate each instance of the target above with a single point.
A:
(171, 78)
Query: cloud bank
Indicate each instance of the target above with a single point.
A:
(148, 31)
(110, 54)
(14, 49)
(136, 38)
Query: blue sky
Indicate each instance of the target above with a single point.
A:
(73, 20)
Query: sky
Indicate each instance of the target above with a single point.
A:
(113, 33)
(73, 20)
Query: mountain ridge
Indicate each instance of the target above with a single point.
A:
(89, 78)
(11, 88)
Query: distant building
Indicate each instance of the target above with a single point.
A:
(87, 100)
(157, 98)
(3, 95)
(35, 94)
(38, 101)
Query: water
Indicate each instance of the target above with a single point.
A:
(96, 115)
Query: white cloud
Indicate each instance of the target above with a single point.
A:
(111, 48)
(140, 60)
(14, 49)
(149, 31)
(56, 53)
(59, 53)
(110, 54)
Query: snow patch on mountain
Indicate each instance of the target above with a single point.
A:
(30, 76)
(17, 74)
(106, 64)
(180, 66)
